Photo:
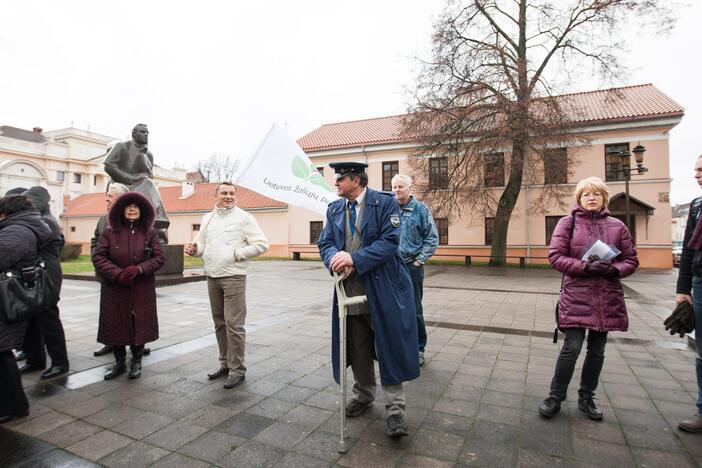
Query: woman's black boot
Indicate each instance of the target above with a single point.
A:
(135, 367)
(118, 369)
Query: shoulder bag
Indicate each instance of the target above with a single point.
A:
(25, 292)
(570, 237)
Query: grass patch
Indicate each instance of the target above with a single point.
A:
(82, 264)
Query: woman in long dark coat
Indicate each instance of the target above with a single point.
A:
(22, 232)
(127, 256)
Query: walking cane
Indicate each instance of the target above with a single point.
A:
(343, 301)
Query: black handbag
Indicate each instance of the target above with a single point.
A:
(25, 292)
(558, 325)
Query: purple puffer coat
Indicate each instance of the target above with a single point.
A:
(591, 302)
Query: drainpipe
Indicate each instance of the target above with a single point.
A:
(526, 212)
(365, 155)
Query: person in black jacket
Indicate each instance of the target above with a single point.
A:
(45, 331)
(19, 352)
(21, 232)
(689, 288)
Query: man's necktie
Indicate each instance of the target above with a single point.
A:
(352, 216)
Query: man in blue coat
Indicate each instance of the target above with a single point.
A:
(361, 237)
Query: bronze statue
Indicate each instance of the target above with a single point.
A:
(131, 163)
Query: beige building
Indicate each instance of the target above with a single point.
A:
(607, 121)
(67, 162)
(186, 204)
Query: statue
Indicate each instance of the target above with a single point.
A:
(131, 163)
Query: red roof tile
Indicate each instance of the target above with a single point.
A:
(91, 204)
(627, 103)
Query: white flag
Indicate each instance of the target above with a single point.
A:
(279, 169)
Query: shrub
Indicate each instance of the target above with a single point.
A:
(70, 251)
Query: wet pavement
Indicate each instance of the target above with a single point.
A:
(489, 362)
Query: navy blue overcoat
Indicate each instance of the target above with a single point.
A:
(387, 283)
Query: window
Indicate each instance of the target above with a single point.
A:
(60, 176)
(555, 165)
(196, 227)
(77, 178)
(613, 161)
(442, 226)
(390, 168)
(94, 180)
(315, 230)
(489, 228)
(321, 170)
(73, 229)
(494, 170)
(551, 222)
(438, 173)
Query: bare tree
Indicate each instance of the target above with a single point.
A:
(486, 102)
(217, 168)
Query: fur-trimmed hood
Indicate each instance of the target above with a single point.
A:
(116, 215)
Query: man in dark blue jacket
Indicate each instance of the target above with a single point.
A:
(360, 238)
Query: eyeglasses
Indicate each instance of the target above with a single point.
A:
(591, 195)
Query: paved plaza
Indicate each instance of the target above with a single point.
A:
(490, 359)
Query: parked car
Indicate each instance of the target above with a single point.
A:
(677, 251)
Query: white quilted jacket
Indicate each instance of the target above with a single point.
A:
(227, 239)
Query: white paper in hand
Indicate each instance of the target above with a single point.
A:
(602, 251)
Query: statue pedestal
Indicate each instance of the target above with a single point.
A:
(174, 260)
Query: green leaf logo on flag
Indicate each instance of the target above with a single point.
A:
(309, 173)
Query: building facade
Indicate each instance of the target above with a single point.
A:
(607, 123)
(67, 162)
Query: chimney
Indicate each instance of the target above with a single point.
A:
(37, 129)
(186, 189)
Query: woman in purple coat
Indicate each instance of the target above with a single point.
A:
(127, 256)
(591, 297)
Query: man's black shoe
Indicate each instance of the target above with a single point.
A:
(118, 369)
(221, 372)
(102, 350)
(27, 367)
(550, 407)
(54, 371)
(234, 380)
(587, 406)
(146, 351)
(20, 355)
(356, 408)
(12, 417)
(396, 426)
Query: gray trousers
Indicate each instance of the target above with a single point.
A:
(228, 303)
(361, 346)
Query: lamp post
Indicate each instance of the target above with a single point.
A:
(638, 151)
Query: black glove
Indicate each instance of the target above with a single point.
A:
(687, 317)
(601, 268)
(682, 320)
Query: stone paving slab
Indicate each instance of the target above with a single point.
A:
(488, 367)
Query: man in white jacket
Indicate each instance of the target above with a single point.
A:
(228, 238)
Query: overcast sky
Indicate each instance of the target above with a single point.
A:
(212, 77)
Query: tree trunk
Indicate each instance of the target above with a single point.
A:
(507, 202)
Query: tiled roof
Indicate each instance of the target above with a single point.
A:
(21, 134)
(91, 204)
(616, 104)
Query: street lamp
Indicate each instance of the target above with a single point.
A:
(638, 151)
